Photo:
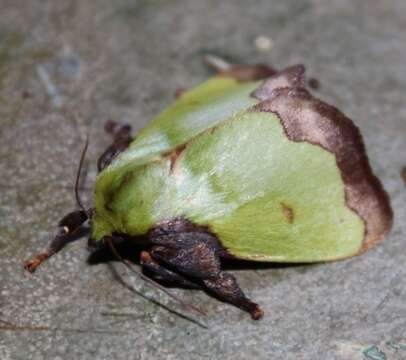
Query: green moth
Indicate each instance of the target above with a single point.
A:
(248, 165)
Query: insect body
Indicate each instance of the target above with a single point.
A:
(245, 168)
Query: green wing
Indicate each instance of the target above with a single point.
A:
(195, 111)
(274, 199)
(267, 198)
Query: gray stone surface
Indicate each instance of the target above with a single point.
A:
(67, 66)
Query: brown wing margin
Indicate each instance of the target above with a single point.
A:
(306, 118)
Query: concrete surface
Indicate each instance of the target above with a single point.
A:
(68, 66)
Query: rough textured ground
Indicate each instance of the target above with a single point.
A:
(68, 66)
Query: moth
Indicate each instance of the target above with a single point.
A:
(248, 165)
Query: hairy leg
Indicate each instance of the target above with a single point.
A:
(149, 264)
(121, 134)
(225, 286)
(195, 254)
(67, 226)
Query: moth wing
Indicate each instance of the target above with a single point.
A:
(267, 198)
(194, 112)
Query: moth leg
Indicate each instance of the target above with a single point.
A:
(195, 257)
(225, 286)
(121, 134)
(67, 226)
(149, 264)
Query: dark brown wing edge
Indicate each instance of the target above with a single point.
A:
(244, 73)
(305, 118)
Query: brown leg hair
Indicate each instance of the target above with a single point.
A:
(149, 264)
(196, 254)
(67, 227)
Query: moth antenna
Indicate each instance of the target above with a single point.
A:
(82, 158)
(186, 305)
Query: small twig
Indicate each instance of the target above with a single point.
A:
(45, 328)
(12, 327)
(383, 302)
(9, 326)
(50, 87)
(216, 62)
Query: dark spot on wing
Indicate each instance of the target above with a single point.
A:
(288, 213)
(307, 119)
(174, 156)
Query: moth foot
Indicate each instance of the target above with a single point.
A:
(256, 313)
(32, 264)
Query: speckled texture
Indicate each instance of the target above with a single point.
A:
(68, 66)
